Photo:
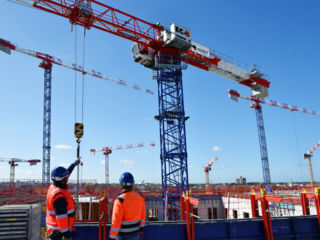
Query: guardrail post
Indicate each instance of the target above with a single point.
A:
(254, 204)
(103, 217)
(305, 203)
(317, 203)
(188, 205)
(266, 215)
(188, 222)
(182, 208)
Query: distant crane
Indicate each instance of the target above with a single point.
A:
(234, 95)
(308, 156)
(46, 64)
(14, 163)
(207, 168)
(108, 150)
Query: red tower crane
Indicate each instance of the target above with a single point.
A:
(46, 64)
(308, 156)
(234, 95)
(207, 168)
(108, 150)
(14, 163)
(162, 50)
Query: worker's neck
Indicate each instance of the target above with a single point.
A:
(61, 185)
(126, 190)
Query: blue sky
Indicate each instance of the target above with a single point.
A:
(282, 37)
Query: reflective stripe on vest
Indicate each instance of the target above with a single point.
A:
(130, 226)
(61, 216)
(56, 228)
(114, 229)
(52, 227)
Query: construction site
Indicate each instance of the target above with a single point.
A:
(208, 161)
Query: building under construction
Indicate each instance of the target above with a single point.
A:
(206, 212)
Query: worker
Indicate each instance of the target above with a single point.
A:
(60, 205)
(129, 212)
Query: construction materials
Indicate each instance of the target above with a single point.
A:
(20, 222)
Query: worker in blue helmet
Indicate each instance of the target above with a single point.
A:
(129, 212)
(60, 205)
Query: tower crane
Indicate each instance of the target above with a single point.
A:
(162, 50)
(46, 64)
(207, 168)
(14, 163)
(108, 150)
(308, 156)
(234, 95)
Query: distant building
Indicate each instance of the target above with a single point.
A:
(241, 180)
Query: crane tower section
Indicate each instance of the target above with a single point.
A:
(263, 144)
(173, 147)
(308, 156)
(46, 143)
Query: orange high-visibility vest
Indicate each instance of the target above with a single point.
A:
(128, 214)
(63, 222)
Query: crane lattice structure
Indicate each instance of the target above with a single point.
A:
(46, 64)
(308, 156)
(234, 95)
(108, 150)
(162, 50)
(14, 163)
(207, 168)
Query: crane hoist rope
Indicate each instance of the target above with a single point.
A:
(78, 126)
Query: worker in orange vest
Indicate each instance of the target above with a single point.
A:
(60, 205)
(129, 212)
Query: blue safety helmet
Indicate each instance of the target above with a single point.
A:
(59, 173)
(126, 180)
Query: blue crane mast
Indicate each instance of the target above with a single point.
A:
(173, 146)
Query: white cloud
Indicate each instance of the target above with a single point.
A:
(216, 149)
(61, 146)
(29, 173)
(126, 162)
